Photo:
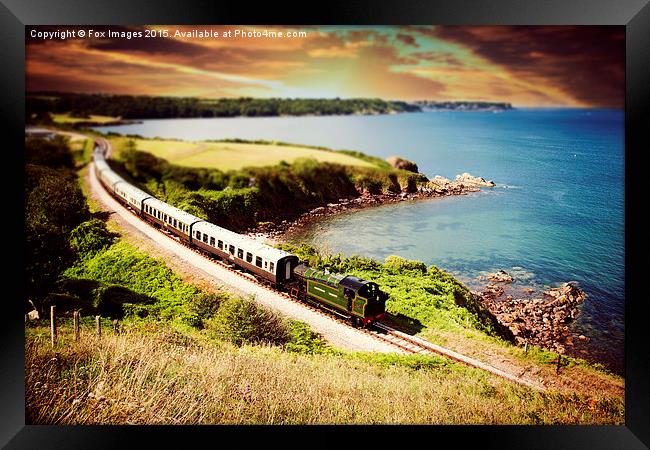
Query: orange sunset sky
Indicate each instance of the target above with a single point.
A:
(527, 66)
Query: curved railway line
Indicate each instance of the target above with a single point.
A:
(402, 342)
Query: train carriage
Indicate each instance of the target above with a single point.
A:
(267, 262)
(169, 217)
(133, 196)
(109, 178)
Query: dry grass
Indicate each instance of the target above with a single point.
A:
(573, 377)
(233, 156)
(65, 118)
(161, 378)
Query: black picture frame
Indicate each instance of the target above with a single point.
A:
(633, 14)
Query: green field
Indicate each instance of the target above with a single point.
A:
(233, 156)
(65, 118)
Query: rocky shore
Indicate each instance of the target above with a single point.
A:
(437, 187)
(541, 319)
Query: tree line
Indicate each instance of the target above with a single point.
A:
(146, 107)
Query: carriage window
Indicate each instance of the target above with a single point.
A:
(266, 264)
(240, 253)
(271, 267)
(220, 244)
(231, 249)
(198, 235)
(175, 223)
(205, 238)
(258, 261)
(249, 257)
(211, 241)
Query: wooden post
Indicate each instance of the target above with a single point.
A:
(116, 327)
(559, 361)
(98, 327)
(526, 346)
(53, 324)
(75, 318)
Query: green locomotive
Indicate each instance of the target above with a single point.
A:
(361, 301)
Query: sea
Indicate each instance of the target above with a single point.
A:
(555, 215)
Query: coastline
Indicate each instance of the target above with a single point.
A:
(286, 228)
(544, 318)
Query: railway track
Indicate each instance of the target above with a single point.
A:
(404, 342)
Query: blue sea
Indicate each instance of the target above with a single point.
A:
(556, 214)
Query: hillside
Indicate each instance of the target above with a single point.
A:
(189, 353)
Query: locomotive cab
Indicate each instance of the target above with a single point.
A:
(371, 300)
(376, 298)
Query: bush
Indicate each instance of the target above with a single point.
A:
(305, 341)
(397, 264)
(205, 306)
(90, 237)
(241, 321)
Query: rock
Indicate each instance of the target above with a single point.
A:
(567, 292)
(440, 182)
(500, 277)
(402, 164)
(468, 179)
(583, 338)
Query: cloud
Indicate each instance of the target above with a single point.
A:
(586, 63)
(547, 66)
(441, 58)
(407, 39)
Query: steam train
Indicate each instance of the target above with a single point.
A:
(360, 301)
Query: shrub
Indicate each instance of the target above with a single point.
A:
(303, 340)
(90, 237)
(205, 306)
(397, 264)
(241, 321)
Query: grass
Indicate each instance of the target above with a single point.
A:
(233, 155)
(67, 119)
(156, 376)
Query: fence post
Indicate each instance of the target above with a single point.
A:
(559, 361)
(98, 327)
(526, 346)
(75, 318)
(53, 324)
(116, 327)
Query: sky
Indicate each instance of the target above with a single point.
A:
(528, 66)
